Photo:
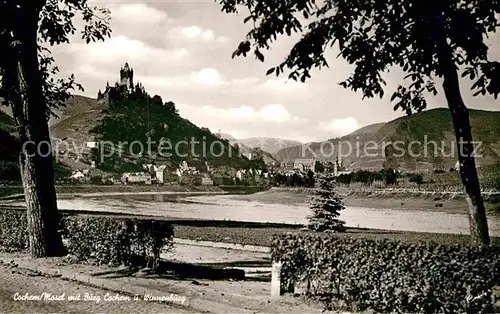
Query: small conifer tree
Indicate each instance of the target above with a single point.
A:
(326, 206)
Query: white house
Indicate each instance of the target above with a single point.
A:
(304, 164)
(178, 173)
(77, 175)
(136, 178)
(91, 144)
(184, 166)
(149, 168)
(161, 174)
(239, 175)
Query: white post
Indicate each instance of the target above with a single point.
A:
(276, 280)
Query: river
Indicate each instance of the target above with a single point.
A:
(261, 209)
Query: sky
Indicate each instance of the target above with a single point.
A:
(181, 50)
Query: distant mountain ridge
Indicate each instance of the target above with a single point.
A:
(390, 144)
(270, 145)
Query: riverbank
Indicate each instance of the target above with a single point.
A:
(65, 191)
(373, 192)
(263, 236)
(437, 202)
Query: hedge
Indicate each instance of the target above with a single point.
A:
(13, 226)
(96, 240)
(387, 275)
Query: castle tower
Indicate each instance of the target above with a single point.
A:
(127, 76)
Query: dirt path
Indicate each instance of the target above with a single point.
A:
(17, 284)
(210, 255)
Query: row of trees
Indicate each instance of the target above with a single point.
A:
(389, 176)
(295, 180)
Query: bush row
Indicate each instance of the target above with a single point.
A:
(389, 276)
(97, 240)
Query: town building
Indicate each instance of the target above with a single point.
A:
(125, 84)
(77, 175)
(304, 164)
(288, 165)
(127, 76)
(161, 174)
(136, 178)
(207, 181)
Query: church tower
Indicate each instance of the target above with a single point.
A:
(127, 76)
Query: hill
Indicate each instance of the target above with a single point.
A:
(252, 146)
(422, 141)
(10, 147)
(268, 144)
(124, 117)
(142, 129)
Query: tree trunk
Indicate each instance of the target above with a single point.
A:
(23, 82)
(465, 145)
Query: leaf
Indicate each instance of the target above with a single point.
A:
(270, 71)
(259, 55)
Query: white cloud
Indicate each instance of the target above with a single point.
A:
(275, 113)
(121, 48)
(272, 113)
(208, 76)
(340, 127)
(194, 33)
(138, 14)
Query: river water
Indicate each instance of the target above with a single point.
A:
(231, 207)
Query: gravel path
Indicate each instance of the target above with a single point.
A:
(17, 284)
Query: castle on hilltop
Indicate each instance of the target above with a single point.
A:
(124, 85)
(127, 76)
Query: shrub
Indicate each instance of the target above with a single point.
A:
(390, 177)
(116, 241)
(390, 276)
(96, 180)
(13, 231)
(99, 240)
(497, 184)
(416, 178)
(326, 207)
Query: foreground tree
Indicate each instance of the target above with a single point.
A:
(326, 207)
(427, 39)
(29, 87)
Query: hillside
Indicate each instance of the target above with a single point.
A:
(249, 146)
(391, 143)
(9, 151)
(139, 129)
(268, 144)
